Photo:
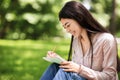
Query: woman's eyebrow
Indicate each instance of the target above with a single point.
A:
(65, 24)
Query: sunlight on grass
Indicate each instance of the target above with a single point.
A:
(22, 59)
(28, 54)
(119, 50)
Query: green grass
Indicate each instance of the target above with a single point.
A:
(22, 59)
(119, 50)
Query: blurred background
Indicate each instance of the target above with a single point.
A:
(29, 28)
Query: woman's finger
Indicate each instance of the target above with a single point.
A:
(64, 66)
(50, 54)
(65, 63)
(68, 70)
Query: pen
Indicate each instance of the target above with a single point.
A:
(54, 49)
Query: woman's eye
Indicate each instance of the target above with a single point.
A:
(68, 25)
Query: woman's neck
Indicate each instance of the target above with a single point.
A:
(84, 35)
(85, 42)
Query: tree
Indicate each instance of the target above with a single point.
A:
(112, 26)
(29, 19)
(106, 10)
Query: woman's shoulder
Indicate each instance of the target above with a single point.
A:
(105, 37)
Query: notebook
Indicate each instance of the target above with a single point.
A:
(56, 59)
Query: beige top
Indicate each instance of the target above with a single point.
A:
(104, 58)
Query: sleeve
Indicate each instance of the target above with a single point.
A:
(109, 63)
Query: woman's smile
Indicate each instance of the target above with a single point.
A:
(71, 26)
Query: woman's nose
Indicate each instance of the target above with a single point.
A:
(68, 30)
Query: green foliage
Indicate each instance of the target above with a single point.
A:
(102, 11)
(29, 19)
(118, 24)
(33, 19)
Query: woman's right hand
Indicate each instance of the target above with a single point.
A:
(51, 54)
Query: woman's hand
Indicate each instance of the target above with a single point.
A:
(51, 54)
(70, 66)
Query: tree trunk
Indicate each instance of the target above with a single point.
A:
(112, 26)
(3, 27)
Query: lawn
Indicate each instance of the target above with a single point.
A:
(22, 59)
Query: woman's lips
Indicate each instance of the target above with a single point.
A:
(73, 33)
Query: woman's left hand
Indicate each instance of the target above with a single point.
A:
(70, 66)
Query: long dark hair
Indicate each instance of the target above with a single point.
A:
(75, 10)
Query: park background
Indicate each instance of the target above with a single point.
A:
(29, 28)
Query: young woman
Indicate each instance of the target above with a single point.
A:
(93, 49)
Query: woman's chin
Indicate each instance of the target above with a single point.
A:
(75, 35)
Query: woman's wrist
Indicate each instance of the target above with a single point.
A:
(79, 71)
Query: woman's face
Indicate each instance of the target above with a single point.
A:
(71, 26)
